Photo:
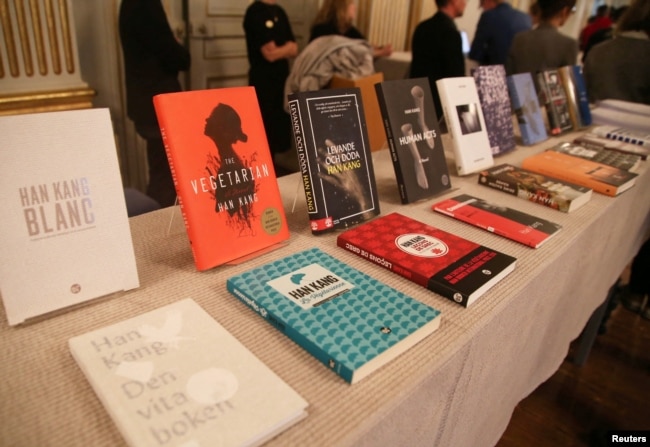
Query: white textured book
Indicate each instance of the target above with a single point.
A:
(466, 124)
(174, 376)
(65, 235)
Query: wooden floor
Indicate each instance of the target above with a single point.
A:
(610, 391)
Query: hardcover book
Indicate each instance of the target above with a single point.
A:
(346, 319)
(413, 138)
(495, 102)
(175, 376)
(223, 172)
(601, 178)
(553, 96)
(451, 266)
(535, 187)
(466, 124)
(334, 157)
(627, 162)
(65, 235)
(513, 224)
(525, 104)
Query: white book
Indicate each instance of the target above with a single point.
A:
(174, 376)
(65, 235)
(466, 124)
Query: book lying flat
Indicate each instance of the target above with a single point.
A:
(627, 162)
(454, 267)
(498, 219)
(346, 319)
(624, 134)
(592, 140)
(175, 376)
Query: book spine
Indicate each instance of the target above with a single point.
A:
(321, 355)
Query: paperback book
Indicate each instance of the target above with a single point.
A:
(330, 136)
(464, 117)
(591, 140)
(495, 102)
(627, 162)
(223, 172)
(601, 178)
(65, 235)
(525, 104)
(575, 88)
(553, 96)
(532, 186)
(508, 222)
(413, 136)
(623, 134)
(451, 266)
(347, 320)
(175, 376)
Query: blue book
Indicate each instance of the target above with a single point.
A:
(348, 320)
(526, 108)
(581, 95)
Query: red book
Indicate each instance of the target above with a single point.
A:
(449, 265)
(223, 172)
(507, 222)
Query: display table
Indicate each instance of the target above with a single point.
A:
(458, 387)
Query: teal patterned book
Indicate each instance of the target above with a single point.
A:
(349, 321)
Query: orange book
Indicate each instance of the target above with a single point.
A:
(601, 178)
(223, 172)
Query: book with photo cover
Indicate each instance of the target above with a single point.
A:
(413, 136)
(525, 104)
(627, 162)
(334, 158)
(464, 117)
(175, 376)
(591, 140)
(449, 265)
(223, 173)
(532, 186)
(65, 235)
(495, 102)
(347, 320)
(553, 96)
(508, 222)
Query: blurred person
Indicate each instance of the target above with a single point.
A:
(600, 21)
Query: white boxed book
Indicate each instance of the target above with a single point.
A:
(174, 376)
(65, 235)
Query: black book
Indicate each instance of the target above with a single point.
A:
(331, 139)
(413, 135)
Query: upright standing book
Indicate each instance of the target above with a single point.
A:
(554, 98)
(535, 187)
(346, 319)
(495, 102)
(413, 138)
(175, 376)
(223, 173)
(65, 235)
(525, 104)
(576, 91)
(329, 130)
(454, 267)
(464, 117)
(603, 179)
(508, 222)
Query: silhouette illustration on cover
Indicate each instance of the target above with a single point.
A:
(236, 188)
(407, 131)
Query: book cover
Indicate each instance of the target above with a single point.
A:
(553, 96)
(626, 162)
(413, 136)
(623, 134)
(592, 140)
(495, 102)
(223, 172)
(525, 104)
(601, 178)
(508, 222)
(175, 376)
(466, 124)
(566, 77)
(449, 265)
(65, 235)
(548, 191)
(349, 321)
(334, 157)
(580, 86)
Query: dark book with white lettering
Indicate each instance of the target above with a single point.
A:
(413, 136)
(175, 376)
(451, 266)
(508, 222)
(347, 320)
(223, 172)
(330, 136)
(627, 162)
(553, 96)
(548, 191)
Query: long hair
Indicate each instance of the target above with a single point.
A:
(336, 12)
